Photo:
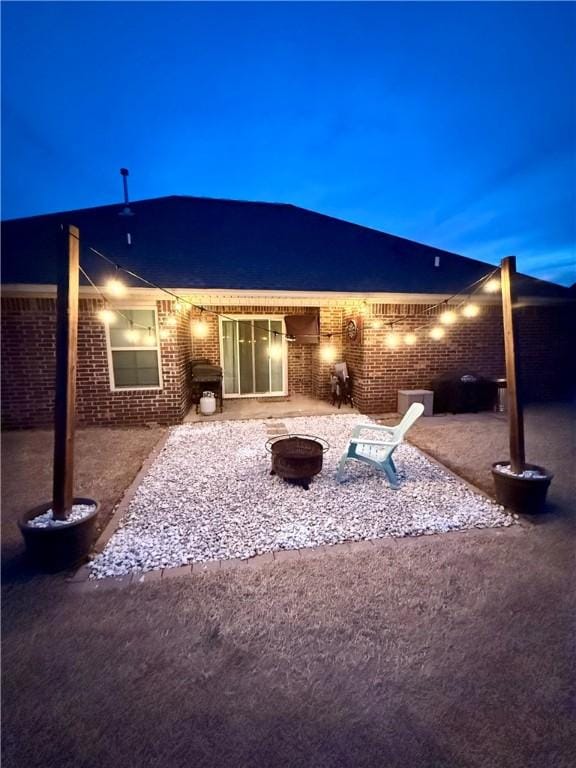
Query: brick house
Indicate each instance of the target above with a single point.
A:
(250, 269)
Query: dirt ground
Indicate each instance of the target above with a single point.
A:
(106, 462)
(447, 651)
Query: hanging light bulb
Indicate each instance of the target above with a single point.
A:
(132, 334)
(179, 306)
(410, 339)
(200, 327)
(115, 287)
(150, 338)
(470, 310)
(492, 285)
(328, 351)
(376, 325)
(164, 333)
(275, 349)
(107, 316)
(171, 321)
(437, 333)
(448, 317)
(392, 340)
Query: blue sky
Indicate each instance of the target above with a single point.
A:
(453, 124)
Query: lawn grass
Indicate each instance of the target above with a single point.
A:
(446, 651)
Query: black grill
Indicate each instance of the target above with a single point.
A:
(205, 377)
(463, 392)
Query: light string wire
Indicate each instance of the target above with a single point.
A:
(468, 291)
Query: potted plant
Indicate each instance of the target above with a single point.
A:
(519, 486)
(58, 534)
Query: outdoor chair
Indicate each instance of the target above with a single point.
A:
(341, 386)
(377, 451)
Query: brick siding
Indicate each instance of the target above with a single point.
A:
(28, 358)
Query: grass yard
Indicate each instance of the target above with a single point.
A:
(447, 651)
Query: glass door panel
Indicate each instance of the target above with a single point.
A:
(253, 353)
(245, 356)
(230, 354)
(261, 355)
(276, 357)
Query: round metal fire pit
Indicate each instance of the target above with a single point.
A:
(297, 458)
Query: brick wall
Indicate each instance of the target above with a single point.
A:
(28, 358)
(28, 369)
(475, 345)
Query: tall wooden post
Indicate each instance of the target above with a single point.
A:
(515, 413)
(66, 355)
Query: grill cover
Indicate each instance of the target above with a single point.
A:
(464, 392)
(204, 371)
(305, 328)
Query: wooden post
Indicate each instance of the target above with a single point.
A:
(66, 354)
(515, 414)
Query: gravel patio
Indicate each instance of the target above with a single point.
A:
(209, 496)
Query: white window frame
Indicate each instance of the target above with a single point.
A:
(148, 348)
(236, 395)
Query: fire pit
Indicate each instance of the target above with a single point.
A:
(297, 458)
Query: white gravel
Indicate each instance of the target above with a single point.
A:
(45, 520)
(209, 496)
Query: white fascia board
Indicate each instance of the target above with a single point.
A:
(226, 297)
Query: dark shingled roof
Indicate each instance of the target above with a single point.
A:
(196, 243)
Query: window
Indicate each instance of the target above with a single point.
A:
(134, 358)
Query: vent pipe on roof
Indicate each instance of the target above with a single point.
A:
(127, 211)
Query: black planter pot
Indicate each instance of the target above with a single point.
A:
(64, 546)
(526, 495)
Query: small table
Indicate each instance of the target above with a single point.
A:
(408, 396)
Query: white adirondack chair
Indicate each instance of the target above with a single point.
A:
(377, 452)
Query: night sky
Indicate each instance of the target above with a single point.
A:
(453, 124)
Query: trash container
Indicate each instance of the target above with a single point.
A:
(501, 402)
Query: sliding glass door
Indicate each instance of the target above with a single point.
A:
(253, 354)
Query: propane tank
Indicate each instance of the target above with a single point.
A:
(207, 404)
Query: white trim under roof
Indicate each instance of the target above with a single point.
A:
(222, 297)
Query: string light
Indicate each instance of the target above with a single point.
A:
(437, 333)
(275, 348)
(470, 310)
(492, 285)
(164, 334)
(392, 340)
(328, 351)
(150, 339)
(179, 306)
(115, 287)
(448, 317)
(107, 315)
(132, 334)
(200, 327)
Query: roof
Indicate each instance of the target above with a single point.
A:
(204, 243)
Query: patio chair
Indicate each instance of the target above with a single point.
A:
(377, 452)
